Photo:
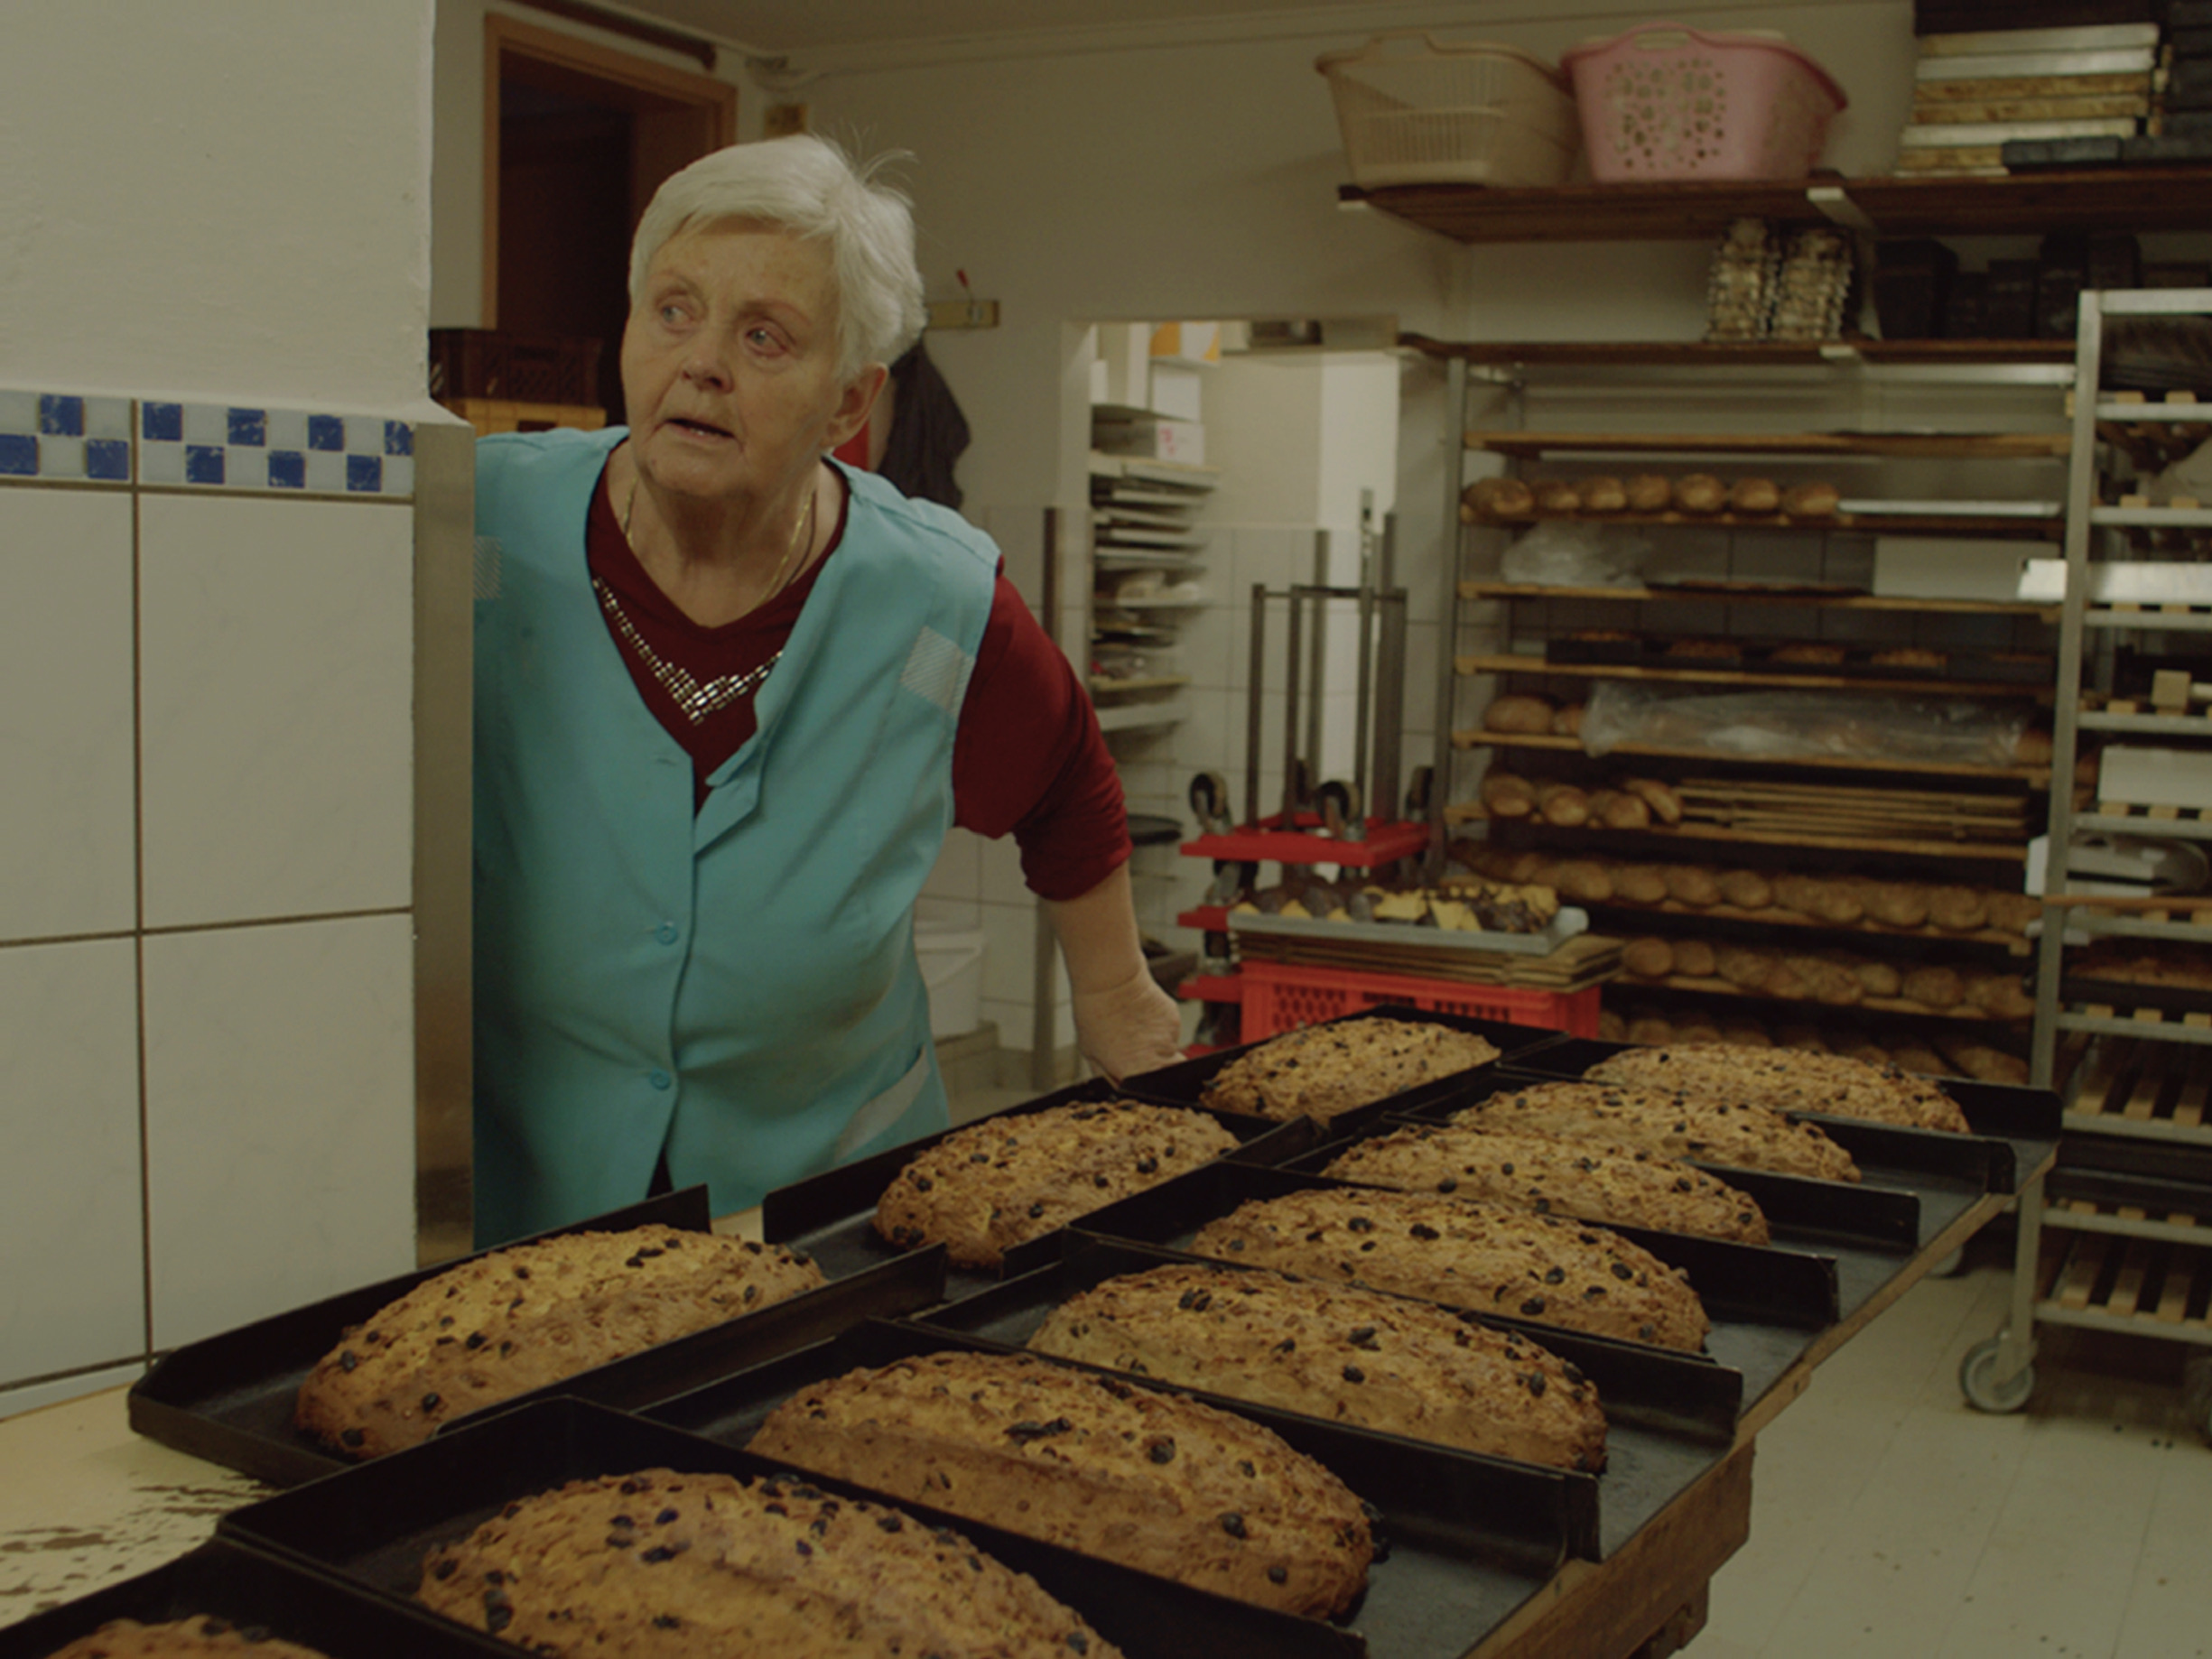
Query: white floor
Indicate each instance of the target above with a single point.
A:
(1892, 1520)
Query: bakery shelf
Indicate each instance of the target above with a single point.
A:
(1486, 739)
(2169, 618)
(1620, 916)
(2180, 823)
(2133, 200)
(1894, 524)
(1718, 835)
(2132, 1286)
(2159, 1025)
(1839, 354)
(1935, 446)
(1486, 664)
(2093, 1215)
(2153, 518)
(1798, 597)
(1870, 1005)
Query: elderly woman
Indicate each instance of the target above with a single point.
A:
(730, 696)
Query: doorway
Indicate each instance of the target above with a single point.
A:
(577, 138)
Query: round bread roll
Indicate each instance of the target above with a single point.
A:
(1957, 910)
(1934, 988)
(1639, 883)
(1744, 967)
(2033, 748)
(1822, 898)
(1896, 903)
(1506, 794)
(1878, 978)
(2013, 912)
(1584, 880)
(1651, 1029)
(1562, 804)
(1745, 889)
(1754, 495)
(1745, 1034)
(1557, 496)
(1810, 500)
(1611, 1027)
(1567, 721)
(1660, 797)
(1604, 494)
(1693, 884)
(1648, 958)
(1649, 492)
(1827, 979)
(1498, 497)
(1700, 492)
(1520, 713)
(1695, 959)
(1618, 810)
(2001, 995)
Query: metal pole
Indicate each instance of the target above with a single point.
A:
(1447, 633)
(1253, 724)
(1389, 702)
(1292, 640)
(1044, 976)
(1316, 653)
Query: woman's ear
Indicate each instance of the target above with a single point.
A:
(855, 401)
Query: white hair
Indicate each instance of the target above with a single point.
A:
(807, 186)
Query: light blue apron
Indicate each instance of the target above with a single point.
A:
(739, 984)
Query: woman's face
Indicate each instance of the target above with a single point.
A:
(729, 363)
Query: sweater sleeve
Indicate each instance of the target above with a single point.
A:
(1028, 758)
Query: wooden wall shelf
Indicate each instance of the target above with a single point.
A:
(2139, 199)
(1741, 353)
(1753, 594)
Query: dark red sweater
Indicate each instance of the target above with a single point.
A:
(1028, 758)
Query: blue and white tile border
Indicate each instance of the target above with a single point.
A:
(56, 436)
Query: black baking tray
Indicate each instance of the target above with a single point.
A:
(1800, 1213)
(1766, 1306)
(254, 1592)
(1457, 1563)
(831, 1215)
(1183, 1084)
(373, 1524)
(1668, 1419)
(228, 1398)
(2015, 1129)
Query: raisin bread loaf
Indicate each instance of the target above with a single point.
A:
(698, 1566)
(1336, 1352)
(1153, 1481)
(1788, 1080)
(1320, 1070)
(1709, 1130)
(186, 1638)
(1590, 1180)
(1485, 1257)
(981, 1189)
(501, 1324)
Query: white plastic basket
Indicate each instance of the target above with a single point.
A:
(1416, 110)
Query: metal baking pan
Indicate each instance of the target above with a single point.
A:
(1442, 944)
(1668, 1419)
(1183, 1084)
(229, 1398)
(831, 1215)
(1456, 1562)
(2015, 1129)
(1765, 1305)
(257, 1593)
(1800, 1212)
(1942, 1177)
(373, 1525)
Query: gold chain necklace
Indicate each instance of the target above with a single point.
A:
(804, 528)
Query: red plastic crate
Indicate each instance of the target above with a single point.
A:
(1279, 998)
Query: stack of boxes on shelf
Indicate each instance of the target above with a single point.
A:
(1987, 99)
(1149, 488)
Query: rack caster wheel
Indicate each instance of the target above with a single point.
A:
(1977, 1380)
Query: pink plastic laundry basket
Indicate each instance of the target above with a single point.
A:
(1668, 102)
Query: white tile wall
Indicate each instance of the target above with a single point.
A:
(67, 842)
(278, 693)
(280, 1117)
(73, 1293)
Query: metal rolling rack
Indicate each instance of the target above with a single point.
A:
(2132, 1187)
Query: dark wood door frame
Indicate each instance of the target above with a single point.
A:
(677, 116)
